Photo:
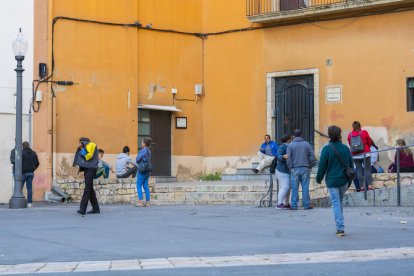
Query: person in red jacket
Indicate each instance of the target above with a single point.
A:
(360, 143)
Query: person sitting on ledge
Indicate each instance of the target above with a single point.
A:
(406, 159)
(125, 166)
(266, 154)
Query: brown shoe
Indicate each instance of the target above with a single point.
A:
(139, 204)
(147, 204)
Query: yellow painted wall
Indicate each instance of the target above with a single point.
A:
(372, 56)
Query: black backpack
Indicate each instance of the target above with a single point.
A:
(356, 143)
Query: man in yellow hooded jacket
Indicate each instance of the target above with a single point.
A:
(86, 158)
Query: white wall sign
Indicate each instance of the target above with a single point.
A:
(333, 94)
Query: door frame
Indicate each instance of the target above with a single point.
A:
(171, 110)
(271, 98)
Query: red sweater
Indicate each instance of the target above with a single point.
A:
(406, 160)
(366, 140)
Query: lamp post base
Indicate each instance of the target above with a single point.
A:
(17, 203)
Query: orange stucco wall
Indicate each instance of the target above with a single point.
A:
(372, 56)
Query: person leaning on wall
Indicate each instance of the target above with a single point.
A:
(30, 163)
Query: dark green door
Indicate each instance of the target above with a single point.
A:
(157, 125)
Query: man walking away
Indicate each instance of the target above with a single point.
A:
(125, 166)
(266, 154)
(87, 159)
(333, 160)
(300, 160)
(30, 163)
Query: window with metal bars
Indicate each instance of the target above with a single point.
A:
(410, 94)
(144, 125)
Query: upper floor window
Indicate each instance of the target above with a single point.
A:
(410, 94)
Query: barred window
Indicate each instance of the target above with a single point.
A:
(410, 94)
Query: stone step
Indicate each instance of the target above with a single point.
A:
(255, 164)
(249, 171)
(164, 179)
(244, 177)
(211, 193)
(247, 192)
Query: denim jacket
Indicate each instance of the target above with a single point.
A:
(281, 162)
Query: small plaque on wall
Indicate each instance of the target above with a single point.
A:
(333, 94)
(181, 122)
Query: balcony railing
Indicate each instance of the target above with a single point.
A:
(269, 10)
(256, 7)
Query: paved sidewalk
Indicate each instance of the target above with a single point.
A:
(212, 262)
(122, 236)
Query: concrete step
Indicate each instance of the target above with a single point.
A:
(247, 192)
(206, 192)
(244, 177)
(164, 179)
(249, 171)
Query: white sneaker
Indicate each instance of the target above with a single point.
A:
(29, 205)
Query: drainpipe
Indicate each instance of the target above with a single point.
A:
(30, 126)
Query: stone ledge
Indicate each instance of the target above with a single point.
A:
(197, 192)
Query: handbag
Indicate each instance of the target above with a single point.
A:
(349, 172)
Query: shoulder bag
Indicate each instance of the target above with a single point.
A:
(349, 172)
(145, 166)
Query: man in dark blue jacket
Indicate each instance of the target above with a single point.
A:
(266, 154)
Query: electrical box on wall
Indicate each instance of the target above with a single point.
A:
(38, 96)
(198, 89)
(42, 70)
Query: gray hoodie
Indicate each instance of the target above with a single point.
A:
(300, 154)
(122, 162)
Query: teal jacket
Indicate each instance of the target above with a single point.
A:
(332, 167)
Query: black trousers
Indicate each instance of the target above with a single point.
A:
(89, 192)
(130, 172)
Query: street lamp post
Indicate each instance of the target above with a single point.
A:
(18, 200)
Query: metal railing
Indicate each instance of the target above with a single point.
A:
(263, 7)
(267, 199)
(397, 164)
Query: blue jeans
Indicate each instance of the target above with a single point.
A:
(142, 181)
(337, 195)
(28, 178)
(302, 176)
(102, 171)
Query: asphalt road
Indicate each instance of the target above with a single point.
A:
(55, 233)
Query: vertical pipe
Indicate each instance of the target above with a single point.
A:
(398, 178)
